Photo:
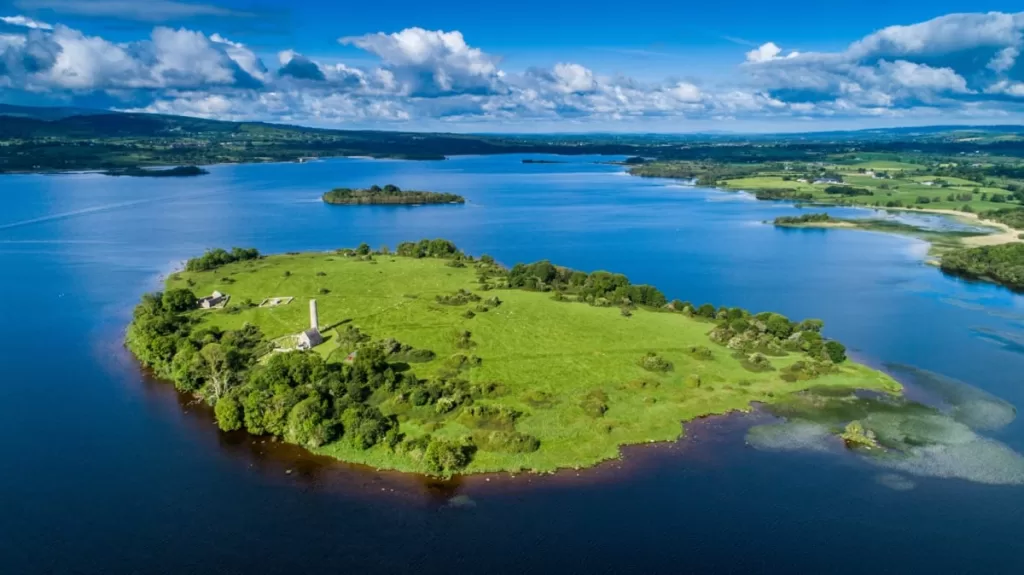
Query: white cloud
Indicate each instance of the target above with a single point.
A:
(1014, 89)
(436, 76)
(432, 62)
(686, 92)
(942, 35)
(920, 76)
(573, 78)
(767, 52)
(25, 22)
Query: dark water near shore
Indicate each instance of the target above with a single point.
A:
(106, 471)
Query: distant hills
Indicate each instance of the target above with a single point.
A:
(41, 139)
(46, 113)
(39, 121)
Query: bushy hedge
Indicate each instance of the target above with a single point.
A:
(217, 257)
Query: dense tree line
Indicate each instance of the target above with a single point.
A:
(215, 258)
(1013, 217)
(1003, 264)
(177, 172)
(848, 191)
(388, 195)
(429, 249)
(598, 288)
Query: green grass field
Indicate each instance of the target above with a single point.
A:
(906, 190)
(547, 356)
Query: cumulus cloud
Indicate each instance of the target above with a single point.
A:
(768, 52)
(966, 64)
(67, 59)
(946, 61)
(432, 62)
(298, 66)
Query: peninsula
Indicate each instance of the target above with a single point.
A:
(997, 258)
(388, 195)
(432, 361)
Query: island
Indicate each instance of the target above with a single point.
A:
(531, 161)
(178, 172)
(428, 360)
(388, 195)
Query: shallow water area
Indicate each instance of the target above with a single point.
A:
(108, 471)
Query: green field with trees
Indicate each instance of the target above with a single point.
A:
(437, 362)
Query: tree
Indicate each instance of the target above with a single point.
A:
(309, 424)
(179, 300)
(835, 351)
(229, 413)
(444, 457)
(217, 370)
(363, 249)
(779, 326)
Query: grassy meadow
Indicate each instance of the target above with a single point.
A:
(546, 357)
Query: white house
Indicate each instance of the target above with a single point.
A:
(215, 299)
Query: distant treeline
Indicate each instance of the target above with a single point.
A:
(388, 195)
(178, 172)
(600, 287)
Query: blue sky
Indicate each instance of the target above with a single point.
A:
(529, 65)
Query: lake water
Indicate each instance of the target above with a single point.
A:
(106, 471)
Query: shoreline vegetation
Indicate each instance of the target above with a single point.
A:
(965, 254)
(177, 172)
(982, 191)
(388, 195)
(433, 361)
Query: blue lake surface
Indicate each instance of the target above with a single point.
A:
(106, 471)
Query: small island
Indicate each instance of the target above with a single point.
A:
(428, 360)
(178, 172)
(532, 161)
(388, 195)
(821, 220)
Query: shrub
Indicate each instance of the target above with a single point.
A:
(700, 352)
(835, 351)
(654, 362)
(757, 362)
(506, 441)
(445, 457)
(595, 403)
(490, 417)
(463, 339)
